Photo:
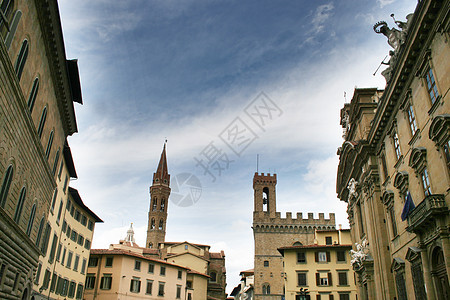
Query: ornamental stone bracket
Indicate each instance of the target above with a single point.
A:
(432, 207)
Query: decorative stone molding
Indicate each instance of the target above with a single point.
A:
(439, 129)
(413, 254)
(388, 198)
(401, 182)
(398, 265)
(352, 185)
(418, 159)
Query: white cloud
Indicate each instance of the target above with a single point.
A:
(322, 14)
(383, 3)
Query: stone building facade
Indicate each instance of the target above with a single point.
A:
(271, 232)
(394, 169)
(38, 88)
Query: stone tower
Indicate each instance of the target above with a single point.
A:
(159, 196)
(271, 232)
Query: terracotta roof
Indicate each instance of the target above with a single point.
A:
(217, 254)
(150, 251)
(197, 273)
(250, 271)
(179, 243)
(282, 249)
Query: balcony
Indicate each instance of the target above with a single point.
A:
(425, 213)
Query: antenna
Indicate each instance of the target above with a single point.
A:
(345, 97)
(257, 163)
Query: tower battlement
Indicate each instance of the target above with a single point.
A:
(264, 179)
(260, 217)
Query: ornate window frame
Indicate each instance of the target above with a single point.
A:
(439, 133)
(428, 76)
(398, 268)
(388, 201)
(401, 182)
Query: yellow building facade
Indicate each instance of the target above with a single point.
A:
(394, 164)
(321, 270)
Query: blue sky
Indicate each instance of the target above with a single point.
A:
(185, 70)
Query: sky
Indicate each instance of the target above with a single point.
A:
(234, 87)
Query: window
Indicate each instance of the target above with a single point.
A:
(412, 119)
(342, 278)
(135, 285)
(19, 206)
(31, 219)
(41, 227)
(301, 279)
(90, 281)
(266, 289)
(68, 205)
(344, 296)
(53, 249)
(58, 218)
(63, 256)
(66, 181)
(69, 259)
(155, 201)
(149, 288)
(21, 59)
(46, 239)
(74, 236)
(38, 273)
(6, 10)
(55, 163)
(69, 231)
(105, 282)
(46, 281)
(137, 265)
(33, 94)
(90, 225)
(77, 215)
(49, 145)
(161, 224)
(266, 263)
(163, 203)
(79, 291)
(42, 120)
(213, 277)
(72, 287)
(162, 271)
(76, 262)
(180, 274)
(340, 256)
(393, 221)
(360, 219)
(55, 194)
(401, 285)
(64, 226)
(151, 268)
(152, 224)
(60, 169)
(93, 262)
(328, 240)
(83, 266)
(323, 279)
(384, 165)
(301, 257)
(87, 244)
(53, 283)
(58, 252)
(80, 240)
(178, 291)
(109, 262)
(83, 220)
(161, 289)
(425, 182)
(322, 256)
(431, 85)
(5, 185)
(396, 143)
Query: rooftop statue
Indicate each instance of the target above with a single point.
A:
(395, 37)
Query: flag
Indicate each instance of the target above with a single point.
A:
(409, 206)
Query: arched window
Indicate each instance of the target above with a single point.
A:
(266, 289)
(213, 276)
(33, 94)
(6, 7)
(49, 145)
(31, 219)
(55, 163)
(5, 185)
(42, 122)
(265, 199)
(155, 202)
(150, 245)
(161, 223)
(163, 203)
(12, 29)
(152, 224)
(39, 234)
(21, 59)
(19, 205)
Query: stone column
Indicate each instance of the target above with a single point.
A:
(427, 275)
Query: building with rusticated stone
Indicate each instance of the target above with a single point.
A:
(394, 168)
(38, 88)
(271, 232)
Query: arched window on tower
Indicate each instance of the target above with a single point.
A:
(150, 245)
(152, 224)
(265, 197)
(163, 204)
(21, 59)
(154, 204)
(160, 224)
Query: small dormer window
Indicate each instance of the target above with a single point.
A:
(186, 247)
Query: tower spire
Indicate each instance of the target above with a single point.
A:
(159, 196)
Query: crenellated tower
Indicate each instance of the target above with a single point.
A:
(159, 196)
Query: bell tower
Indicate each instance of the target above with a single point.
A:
(265, 195)
(159, 196)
